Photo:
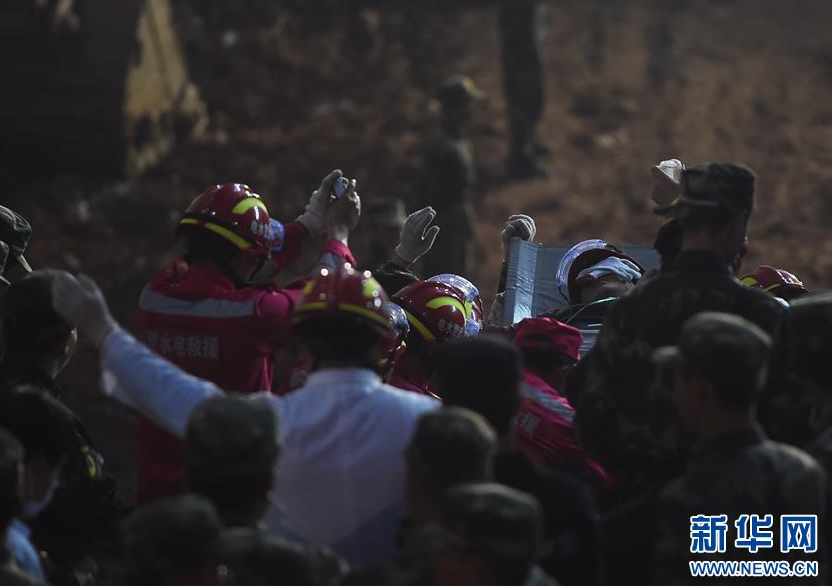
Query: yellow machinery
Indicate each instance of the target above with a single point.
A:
(92, 86)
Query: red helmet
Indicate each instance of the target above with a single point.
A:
(234, 212)
(435, 310)
(346, 292)
(474, 315)
(777, 282)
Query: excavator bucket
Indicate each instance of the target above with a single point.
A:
(92, 86)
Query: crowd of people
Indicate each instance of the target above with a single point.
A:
(371, 427)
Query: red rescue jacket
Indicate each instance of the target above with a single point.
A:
(195, 317)
(543, 430)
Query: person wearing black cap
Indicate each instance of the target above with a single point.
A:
(488, 535)
(12, 457)
(720, 366)
(484, 374)
(624, 416)
(15, 232)
(449, 177)
(172, 542)
(39, 344)
(231, 451)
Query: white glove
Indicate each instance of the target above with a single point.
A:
(417, 235)
(667, 175)
(314, 215)
(520, 226)
(81, 303)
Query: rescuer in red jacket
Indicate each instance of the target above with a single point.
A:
(543, 427)
(207, 316)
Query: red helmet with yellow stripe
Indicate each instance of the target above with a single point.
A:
(436, 310)
(346, 293)
(237, 214)
(777, 282)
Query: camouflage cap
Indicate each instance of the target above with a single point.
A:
(725, 187)
(255, 558)
(388, 212)
(808, 333)
(176, 535)
(453, 446)
(15, 231)
(231, 436)
(726, 349)
(459, 89)
(496, 521)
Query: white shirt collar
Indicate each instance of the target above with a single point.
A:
(353, 376)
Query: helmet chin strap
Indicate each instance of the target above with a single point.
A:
(255, 271)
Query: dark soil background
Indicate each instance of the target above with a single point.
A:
(296, 89)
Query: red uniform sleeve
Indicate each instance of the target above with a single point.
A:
(274, 313)
(293, 236)
(334, 254)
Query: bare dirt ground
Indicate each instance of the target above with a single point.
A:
(294, 93)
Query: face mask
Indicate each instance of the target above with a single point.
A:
(34, 508)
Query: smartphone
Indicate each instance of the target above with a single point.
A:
(339, 188)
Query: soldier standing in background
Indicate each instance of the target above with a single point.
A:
(449, 178)
(523, 84)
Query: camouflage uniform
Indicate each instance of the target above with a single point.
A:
(624, 417)
(739, 472)
(808, 335)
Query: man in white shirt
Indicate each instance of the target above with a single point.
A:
(340, 477)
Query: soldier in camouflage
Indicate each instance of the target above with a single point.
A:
(720, 366)
(624, 414)
(808, 337)
(450, 176)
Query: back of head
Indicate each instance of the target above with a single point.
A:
(11, 457)
(231, 449)
(712, 194)
(31, 327)
(481, 374)
(451, 446)
(171, 538)
(808, 336)
(258, 559)
(729, 352)
(502, 525)
(43, 425)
